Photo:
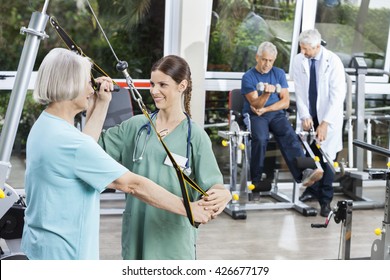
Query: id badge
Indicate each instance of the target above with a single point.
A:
(180, 160)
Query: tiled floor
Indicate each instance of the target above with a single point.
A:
(268, 234)
(264, 234)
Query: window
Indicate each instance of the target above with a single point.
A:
(135, 30)
(239, 27)
(355, 28)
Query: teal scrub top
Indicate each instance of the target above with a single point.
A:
(149, 232)
(66, 171)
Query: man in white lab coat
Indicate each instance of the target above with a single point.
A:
(320, 88)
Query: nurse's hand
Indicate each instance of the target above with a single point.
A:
(217, 199)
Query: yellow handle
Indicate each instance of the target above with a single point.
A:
(2, 194)
(225, 143)
(378, 231)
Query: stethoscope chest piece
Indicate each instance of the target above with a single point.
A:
(145, 132)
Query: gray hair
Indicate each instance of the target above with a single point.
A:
(310, 37)
(62, 75)
(267, 47)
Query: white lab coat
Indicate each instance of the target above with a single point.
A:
(331, 88)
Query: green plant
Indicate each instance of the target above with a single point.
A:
(30, 113)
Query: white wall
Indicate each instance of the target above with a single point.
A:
(189, 38)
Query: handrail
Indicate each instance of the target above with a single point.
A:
(379, 150)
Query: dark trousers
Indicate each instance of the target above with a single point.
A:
(323, 189)
(284, 134)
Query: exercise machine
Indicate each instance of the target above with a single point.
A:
(241, 188)
(380, 249)
(342, 212)
(356, 176)
(11, 207)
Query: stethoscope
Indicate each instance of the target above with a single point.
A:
(146, 128)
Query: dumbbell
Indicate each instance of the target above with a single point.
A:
(260, 87)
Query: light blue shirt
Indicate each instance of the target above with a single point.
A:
(65, 172)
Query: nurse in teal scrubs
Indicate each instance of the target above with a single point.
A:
(149, 232)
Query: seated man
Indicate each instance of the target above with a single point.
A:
(267, 114)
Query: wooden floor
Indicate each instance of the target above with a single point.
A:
(282, 234)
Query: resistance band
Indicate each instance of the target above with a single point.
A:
(122, 66)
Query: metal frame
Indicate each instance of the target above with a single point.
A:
(380, 249)
(35, 33)
(358, 174)
(243, 199)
